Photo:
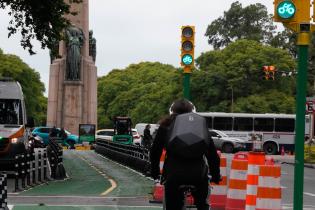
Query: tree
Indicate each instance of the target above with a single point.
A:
(142, 91)
(33, 89)
(43, 20)
(237, 70)
(252, 22)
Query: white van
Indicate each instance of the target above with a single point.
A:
(13, 133)
(141, 126)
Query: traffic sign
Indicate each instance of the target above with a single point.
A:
(286, 9)
(310, 107)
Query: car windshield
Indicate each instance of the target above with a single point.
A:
(221, 133)
(11, 112)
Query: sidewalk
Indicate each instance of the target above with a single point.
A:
(289, 159)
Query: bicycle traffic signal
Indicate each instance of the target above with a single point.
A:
(187, 47)
(294, 14)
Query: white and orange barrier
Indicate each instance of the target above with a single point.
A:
(162, 159)
(255, 159)
(236, 194)
(218, 191)
(269, 188)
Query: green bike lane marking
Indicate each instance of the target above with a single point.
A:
(84, 180)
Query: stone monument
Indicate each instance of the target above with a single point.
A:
(72, 94)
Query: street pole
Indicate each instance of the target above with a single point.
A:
(303, 42)
(187, 86)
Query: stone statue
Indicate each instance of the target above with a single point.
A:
(92, 46)
(74, 42)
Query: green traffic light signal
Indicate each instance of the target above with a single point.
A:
(187, 59)
(286, 9)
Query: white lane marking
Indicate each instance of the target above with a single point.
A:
(10, 207)
(124, 166)
(283, 187)
(70, 196)
(112, 182)
(310, 194)
(123, 206)
(114, 185)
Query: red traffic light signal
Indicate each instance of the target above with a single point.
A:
(269, 72)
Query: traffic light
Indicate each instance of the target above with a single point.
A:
(272, 70)
(187, 47)
(266, 73)
(269, 72)
(292, 13)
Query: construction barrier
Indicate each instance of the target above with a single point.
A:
(55, 157)
(3, 191)
(236, 195)
(218, 191)
(269, 188)
(255, 159)
(132, 156)
(158, 193)
(162, 159)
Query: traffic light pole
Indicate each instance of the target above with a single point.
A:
(303, 42)
(187, 86)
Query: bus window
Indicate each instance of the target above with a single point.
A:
(263, 124)
(222, 123)
(209, 122)
(284, 125)
(243, 124)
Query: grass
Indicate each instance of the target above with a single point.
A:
(309, 154)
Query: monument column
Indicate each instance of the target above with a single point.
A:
(72, 94)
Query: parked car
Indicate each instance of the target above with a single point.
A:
(43, 132)
(225, 143)
(137, 139)
(106, 134)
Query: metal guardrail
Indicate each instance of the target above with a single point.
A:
(3, 191)
(133, 156)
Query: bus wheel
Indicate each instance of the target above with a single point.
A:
(227, 148)
(270, 148)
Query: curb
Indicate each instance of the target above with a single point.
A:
(307, 165)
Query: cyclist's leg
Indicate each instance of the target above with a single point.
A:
(201, 194)
(173, 196)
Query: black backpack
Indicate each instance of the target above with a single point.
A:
(188, 139)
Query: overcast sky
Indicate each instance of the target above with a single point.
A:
(131, 31)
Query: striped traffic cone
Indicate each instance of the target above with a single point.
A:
(255, 159)
(236, 194)
(269, 188)
(218, 191)
(162, 159)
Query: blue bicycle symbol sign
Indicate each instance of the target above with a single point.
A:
(286, 9)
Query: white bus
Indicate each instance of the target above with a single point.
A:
(278, 130)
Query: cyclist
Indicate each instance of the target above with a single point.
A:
(178, 172)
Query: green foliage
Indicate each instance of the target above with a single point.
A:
(33, 89)
(43, 20)
(252, 22)
(237, 69)
(142, 91)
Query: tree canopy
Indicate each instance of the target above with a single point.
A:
(33, 89)
(142, 91)
(238, 69)
(252, 22)
(43, 20)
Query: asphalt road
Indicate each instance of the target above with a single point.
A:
(132, 189)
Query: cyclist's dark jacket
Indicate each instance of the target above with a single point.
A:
(173, 166)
